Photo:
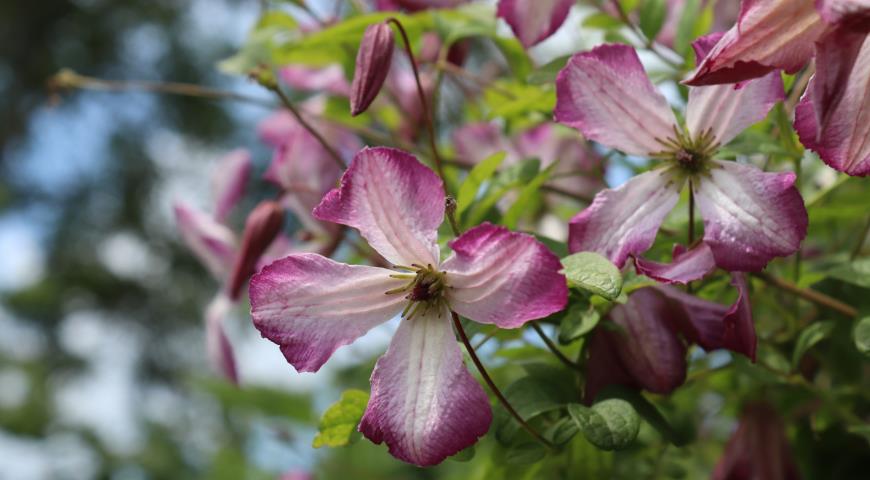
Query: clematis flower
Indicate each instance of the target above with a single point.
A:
(424, 404)
(533, 21)
(758, 448)
(750, 216)
(416, 5)
(655, 327)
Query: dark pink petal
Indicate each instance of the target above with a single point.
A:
(750, 216)
(534, 20)
(687, 266)
(727, 110)
(758, 449)
(262, 226)
(218, 347)
(848, 14)
(229, 181)
(372, 66)
(212, 242)
(605, 93)
(769, 35)
(504, 278)
(624, 221)
(329, 79)
(424, 403)
(395, 202)
(416, 5)
(604, 367)
(833, 117)
(311, 305)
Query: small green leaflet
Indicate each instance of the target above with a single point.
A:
(339, 421)
(811, 335)
(861, 334)
(594, 273)
(612, 424)
(481, 172)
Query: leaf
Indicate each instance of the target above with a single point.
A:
(686, 26)
(339, 421)
(602, 21)
(546, 74)
(594, 273)
(464, 455)
(811, 335)
(509, 178)
(612, 424)
(544, 389)
(525, 453)
(479, 174)
(856, 272)
(648, 412)
(861, 335)
(652, 17)
(578, 321)
(259, 400)
(562, 431)
(527, 198)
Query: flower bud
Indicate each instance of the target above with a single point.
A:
(372, 65)
(758, 448)
(262, 226)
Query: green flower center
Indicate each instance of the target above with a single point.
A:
(424, 291)
(691, 154)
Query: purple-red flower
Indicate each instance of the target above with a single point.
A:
(750, 216)
(758, 449)
(424, 403)
(533, 21)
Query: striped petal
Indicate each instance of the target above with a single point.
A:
(212, 242)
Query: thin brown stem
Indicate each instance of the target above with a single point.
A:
(486, 378)
(307, 126)
(691, 214)
(552, 346)
(808, 294)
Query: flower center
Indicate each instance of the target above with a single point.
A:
(425, 289)
(688, 153)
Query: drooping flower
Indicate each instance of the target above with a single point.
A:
(372, 66)
(656, 326)
(750, 216)
(424, 403)
(533, 21)
(758, 449)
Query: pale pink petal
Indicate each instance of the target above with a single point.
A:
(727, 110)
(395, 202)
(301, 164)
(229, 181)
(212, 242)
(425, 404)
(504, 278)
(833, 117)
(534, 20)
(624, 221)
(687, 266)
(605, 93)
(768, 35)
(849, 14)
(476, 141)
(750, 216)
(311, 305)
(218, 347)
(274, 129)
(326, 79)
(580, 169)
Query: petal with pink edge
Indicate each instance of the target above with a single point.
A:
(311, 305)
(605, 93)
(212, 242)
(624, 221)
(218, 347)
(425, 404)
(534, 20)
(833, 117)
(504, 278)
(727, 110)
(301, 165)
(229, 181)
(848, 14)
(687, 265)
(395, 202)
(750, 216)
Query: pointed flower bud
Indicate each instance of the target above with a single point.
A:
(262, 226)
(372, 65)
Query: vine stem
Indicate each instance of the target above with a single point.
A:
(427, 114)
(307, 126)
(552, 346)
(807, 294)
(483, 373)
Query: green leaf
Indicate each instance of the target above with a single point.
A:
(861, 335)
(578, 321)
(594, 273)
(511, 177)
(811, 335)
(259, 400)
(340, 420)
(561, 431)
(525, 453)
(544, 389)
(686, 26)
(465, 455)
(602, 21)
(610, 425)
(652, 17)
(856, 272)
(648, 412)
(479, 174)
(546, 74)
(527, 198)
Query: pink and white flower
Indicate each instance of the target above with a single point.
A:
(424, 405)
(750, 216)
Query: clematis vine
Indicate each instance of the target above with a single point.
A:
(424, 404)
(750, 216)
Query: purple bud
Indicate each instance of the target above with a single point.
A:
(372, 65)
(264, 223)
(758, 448)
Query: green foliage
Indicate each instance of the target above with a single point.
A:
(592, 272)
(652, 17)
(811, 335)
(481, 172)
(338, 424)
(610, 425)
(862, 335)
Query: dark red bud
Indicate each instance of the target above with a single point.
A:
(372, 65)
(758, 448)
(264, 223)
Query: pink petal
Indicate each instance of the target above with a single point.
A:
(758, 449)
(534, 20)
(503, 278)
(213, 243)
(301, 164)
(750, 216)
(603, 366)
(229, 181)
(769, 35)
(624, 221)
(686, 267)
(849, 14)
(311, 305)
(416, 5)
(727, 110)
(274, 129)
(605, 93)
(218, 347)
(833, 117)
(425, 404)
(329, 79)
(395, 202)
(476, 141)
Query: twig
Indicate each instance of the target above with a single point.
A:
(807, 294)
(307, 126)
(552, 346)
